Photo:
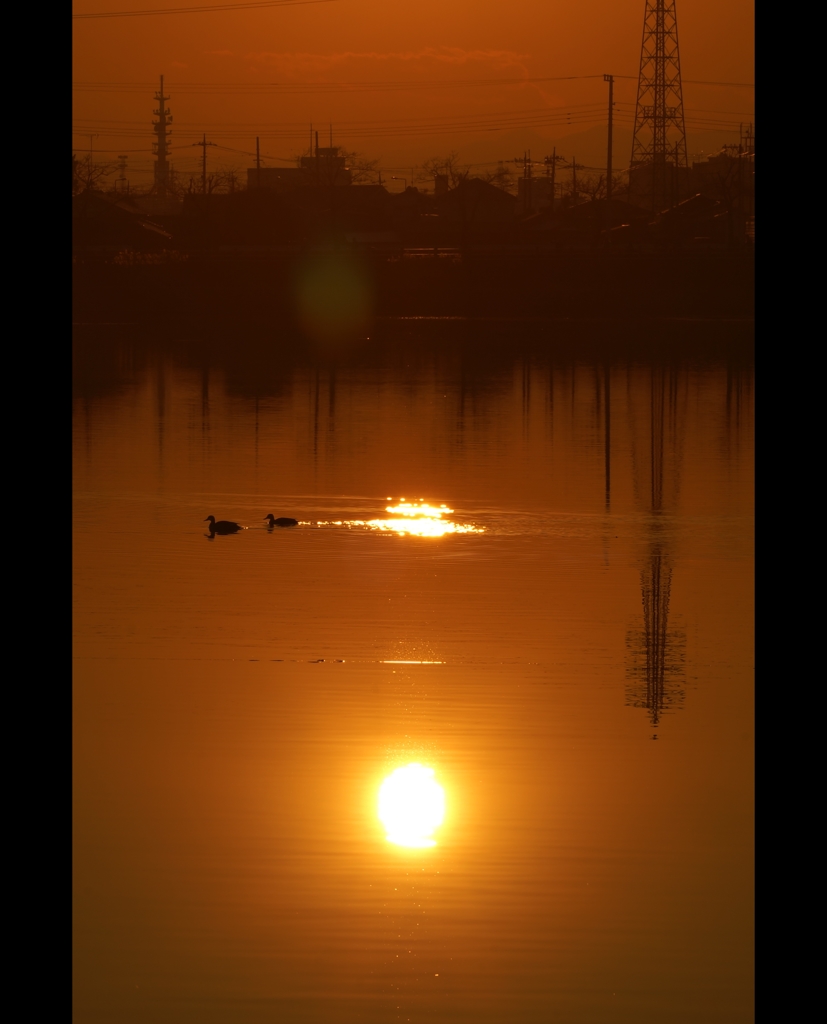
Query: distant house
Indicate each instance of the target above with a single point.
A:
(327, 167)
(654, 187)
(280, 179)
(725, 173)
(157, 206)
(534, 194)
(584, 221)
(476, 204)
(110, 219)
(729, 177)
(699, 218)
(248, 217)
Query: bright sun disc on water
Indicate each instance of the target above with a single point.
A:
(411, 806)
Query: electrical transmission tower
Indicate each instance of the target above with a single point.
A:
(161, 144)
(659, 144)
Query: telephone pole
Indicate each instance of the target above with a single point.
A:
(160, 146)
(203, 143)
(122, 182)
(611, 80)
(551, 172)
(258, 164)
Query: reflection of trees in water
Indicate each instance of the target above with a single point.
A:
(656, 651)
(475, 357)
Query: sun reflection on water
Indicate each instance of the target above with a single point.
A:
(407, 508)
(411, 806)
(420, 520)
(415, 519)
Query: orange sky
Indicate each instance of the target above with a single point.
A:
(399, 82)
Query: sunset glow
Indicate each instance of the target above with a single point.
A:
(413, 482)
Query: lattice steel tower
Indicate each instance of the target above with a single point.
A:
(160, 146)
(659, 144)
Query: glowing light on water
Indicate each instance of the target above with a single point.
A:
(411, 806)
(420, 526)
(418, 519)
(415, 519)
(407, 508)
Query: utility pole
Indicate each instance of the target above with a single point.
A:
(553, 176)
(526, 190)
(258, 164)
(749, 156)
(611, 80)
(122, 172)
(161, 140)
(551, 171)
(203, 144)
(742, 221)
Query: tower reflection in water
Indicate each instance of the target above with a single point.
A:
(656, 652)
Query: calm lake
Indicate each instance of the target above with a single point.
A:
(524, 560)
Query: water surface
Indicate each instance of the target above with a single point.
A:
(574, 664)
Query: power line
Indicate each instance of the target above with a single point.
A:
(207, 9)
(402, 84)
(535, 117)
(575, 108)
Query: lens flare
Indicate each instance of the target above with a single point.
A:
(334, 298)
(411, 806)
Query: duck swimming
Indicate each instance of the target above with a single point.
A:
(281, 521)
(222, 526)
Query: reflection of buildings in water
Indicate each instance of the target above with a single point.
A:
(656, 652)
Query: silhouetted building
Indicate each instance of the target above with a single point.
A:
(583, 224)
(656, 186)
(111, 219)
(158, 206)
(280, 179)
(327, 167)
(729, 178)
(476, 203)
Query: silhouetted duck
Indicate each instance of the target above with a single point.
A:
(222, 526)
(281, 521)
